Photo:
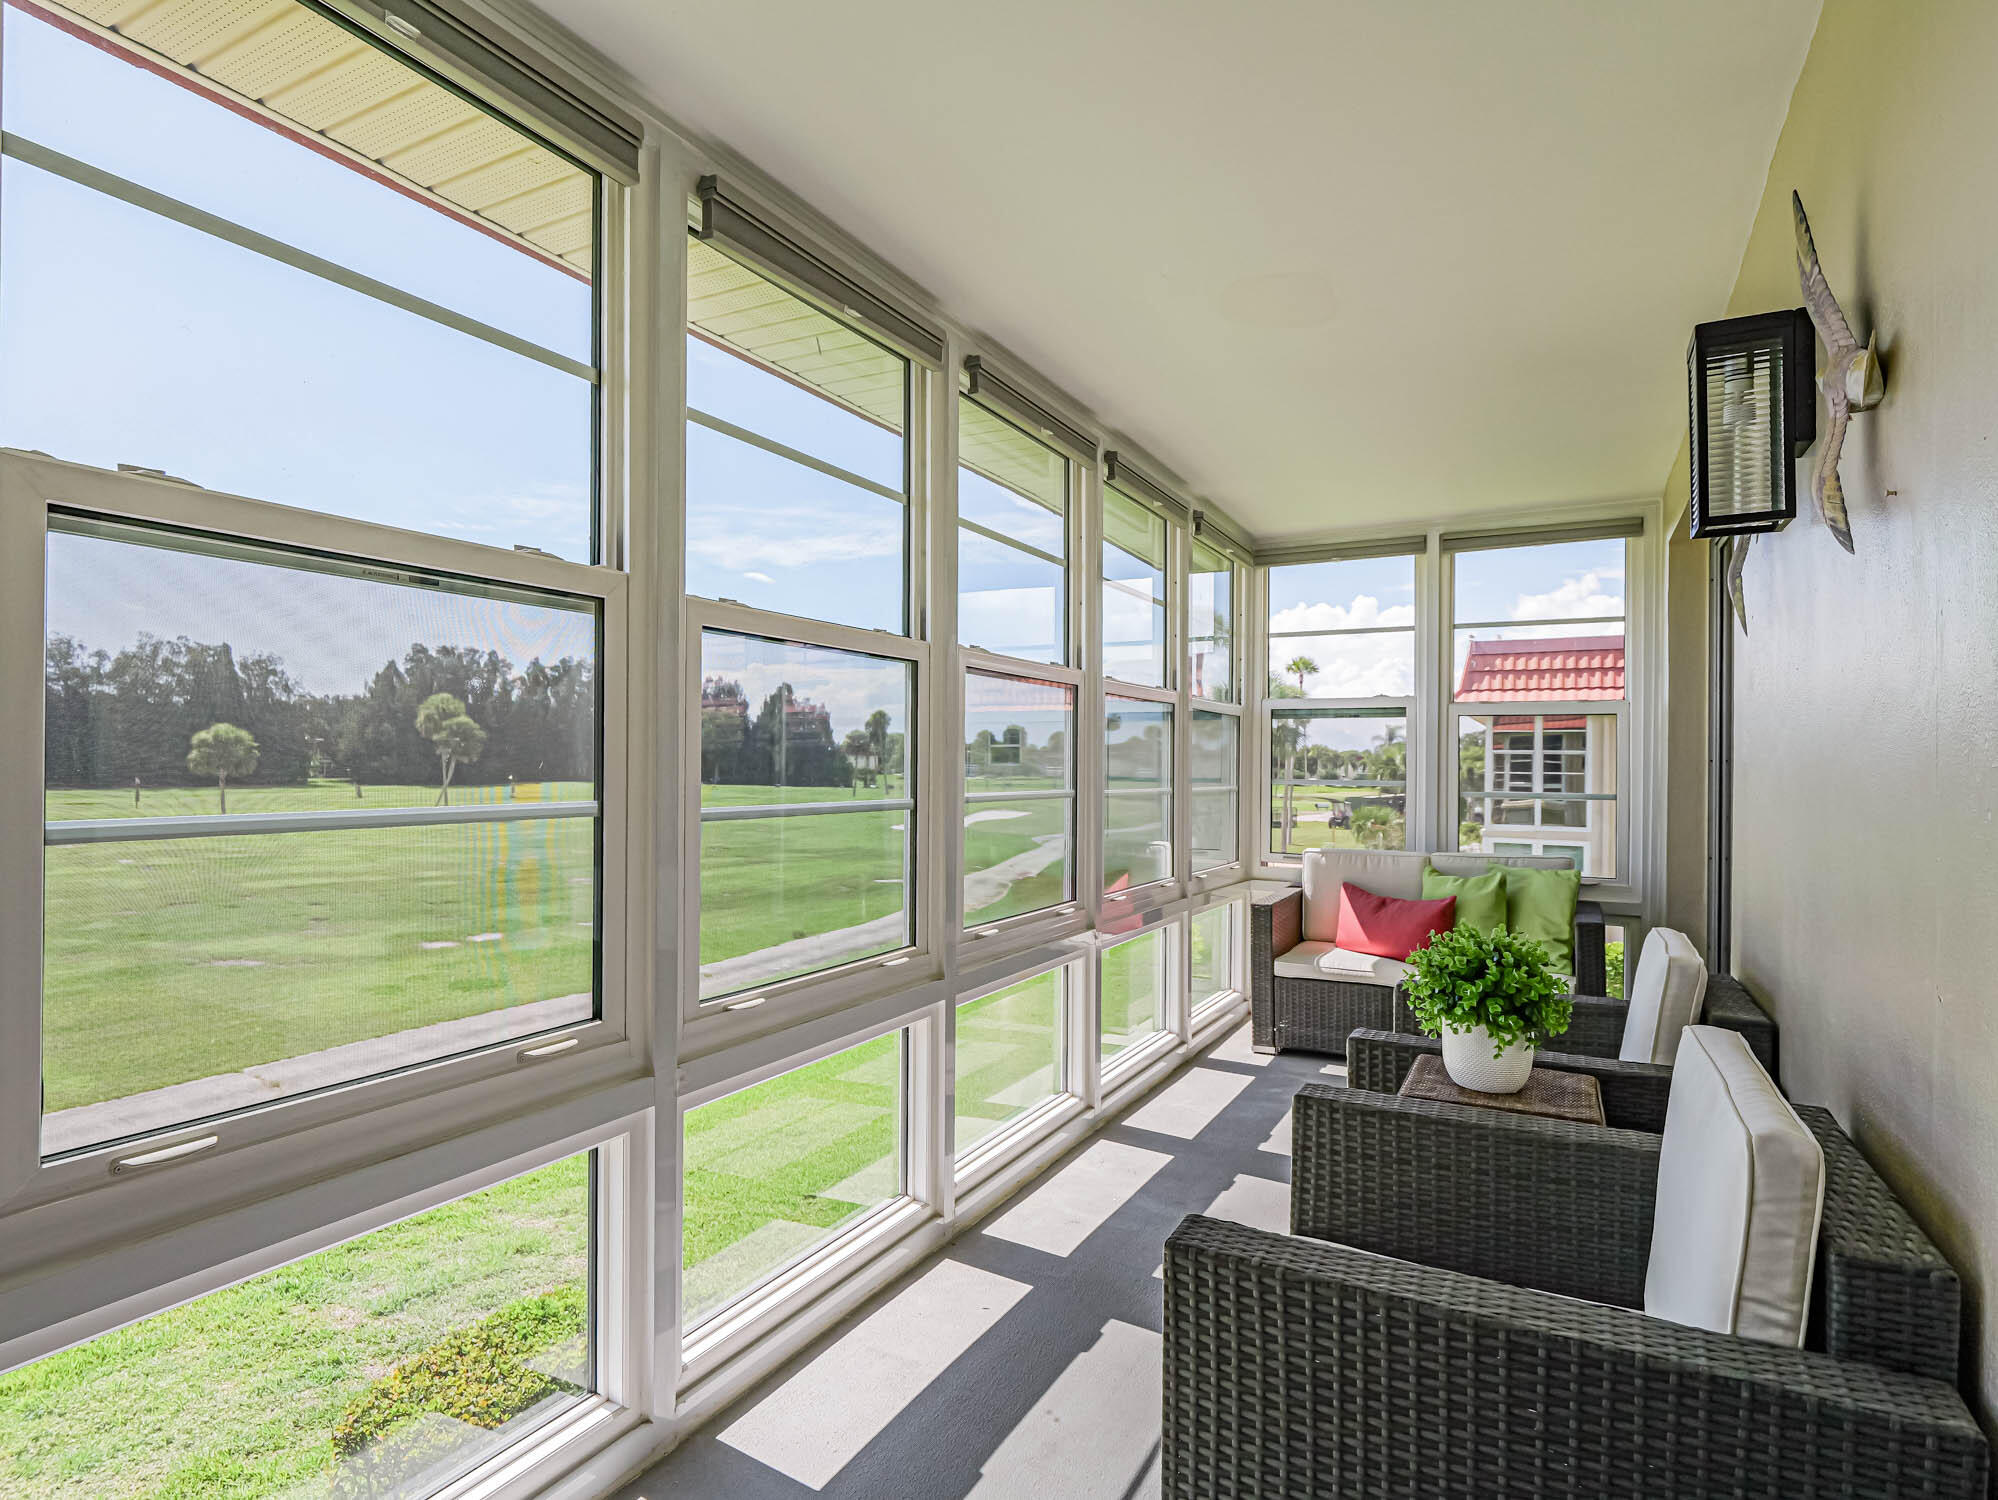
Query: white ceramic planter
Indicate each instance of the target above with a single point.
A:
(1467, 1058)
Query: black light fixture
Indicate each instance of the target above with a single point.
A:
(1754, 412)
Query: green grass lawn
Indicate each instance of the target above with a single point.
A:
(171, 960)
(787, 1161)
(236, 1396)
(1008, 1055)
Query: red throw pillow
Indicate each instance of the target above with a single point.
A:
(1387, 927)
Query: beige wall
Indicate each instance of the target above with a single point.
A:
(1866, 742)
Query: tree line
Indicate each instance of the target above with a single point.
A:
(789, 741)
(113, 719)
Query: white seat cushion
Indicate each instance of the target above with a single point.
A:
(1302, 961)
(1666, 994)
(1324, 961)
(1741, 1186)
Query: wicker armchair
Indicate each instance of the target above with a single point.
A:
(1419, 1334)
(1317, 1015)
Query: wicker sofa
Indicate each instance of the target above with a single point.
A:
(1454, 1315)
(1292, 1008)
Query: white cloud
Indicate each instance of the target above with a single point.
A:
(788, 539)
(1574, 598)
(759, 577)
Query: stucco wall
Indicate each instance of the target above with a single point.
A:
(1866, 750)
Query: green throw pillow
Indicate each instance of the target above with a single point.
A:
(1480, 898)
(1540, 904)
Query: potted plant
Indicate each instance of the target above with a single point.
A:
(1492, 1000)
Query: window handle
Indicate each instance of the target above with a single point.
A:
(546, 1049)
(179, 1151)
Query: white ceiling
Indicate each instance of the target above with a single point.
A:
(1336, 263)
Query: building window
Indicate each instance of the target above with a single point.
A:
(283, 857)
(1134, 591)
(797, 458)
(1137, 810)
(806, 809)
(776, 1172)
(1210, 624)
(1542, 630)
(1216, 759)
(1549, 780)
(1019, 796)
(1012, 557)
(1132, 989)
(389, 328)
(388, 1365)
(1010, 1054)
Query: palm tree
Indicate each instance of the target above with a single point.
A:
(1299, 667)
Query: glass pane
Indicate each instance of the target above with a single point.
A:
(1010, 602)
(764, 527)
(777, 535)
(784, 724)
(1014, 479)
(1134, 592)
(1216, 759)
(1213, 937)
(1311, 604)
(724, 382)
(779, 1169)
(385, 1366)
(1539, 663)
(1210, 627)
(1561, 581)
(1017, 837)
(298, 390)
(1525, 757)
(1137, 814)
(1343, 666)
(1339, 779)
(104, 105)
(1133, 989)
(191, 976)
(1009, 1055)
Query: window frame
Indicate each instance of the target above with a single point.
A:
(1433, 709)
(1172, 573)
(738, 1325)
(1238, 572)
(1015, 1136)
(1078, 470)
(74, 1304)
(298, 1129)
(1057, 913)
(725, 1018)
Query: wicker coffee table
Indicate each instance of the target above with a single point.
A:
(1548, 1092)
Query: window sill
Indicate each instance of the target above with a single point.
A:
(1015, 1138)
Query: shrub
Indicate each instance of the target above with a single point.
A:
(478, 1374)
(1613, 969)
(1497, 980)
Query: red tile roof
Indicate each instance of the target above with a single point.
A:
(1576, 666)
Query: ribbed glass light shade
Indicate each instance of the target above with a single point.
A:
(1742, 391)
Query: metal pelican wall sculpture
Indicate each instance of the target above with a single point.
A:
(1850, 382)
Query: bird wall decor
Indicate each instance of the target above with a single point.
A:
(1850, 382)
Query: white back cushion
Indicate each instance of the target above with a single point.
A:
(1387, 872)
(1741, 1185)
(1666, 994)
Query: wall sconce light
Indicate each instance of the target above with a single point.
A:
(1754, 413)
